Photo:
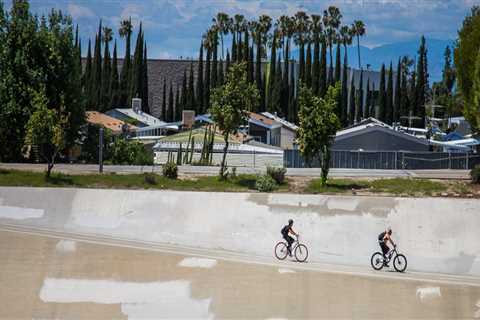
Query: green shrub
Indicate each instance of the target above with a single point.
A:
(475, 174)
(170, 170)
(150, 178)
(265, 183)
(131, 153)
(277, 174)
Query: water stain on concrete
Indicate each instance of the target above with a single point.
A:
(325, 205)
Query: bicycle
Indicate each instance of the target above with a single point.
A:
(300, 250)
(399, 261)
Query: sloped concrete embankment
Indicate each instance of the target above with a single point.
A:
(437, 235)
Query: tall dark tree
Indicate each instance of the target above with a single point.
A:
(96, 79)
(292, 110)
(389, 97)
(208, 45)
(250, 65)
(234, 48)
(302, 28)
(190, 104)
(359, 104)
(323, 70)
(105, 90)
(275, 93)
(382, 103)
(368, 101)
(271, 78)
(221, 74)
(222, 22)
(171, 106)
(351, 103)
(114, 79)
(165, 116)
(200, 93)
(422, 80)
(331, 20)
(125, 31)
(405, 101)
(145, 103)
(136, 83)
(246, 46)
(398, 95)
(285, 81)
(344, 96)
(87, 76)
(182, 103)
(316, 37)
(308, 66)
(179, 106)
(358, 30)
(338, 66)
(214, 74)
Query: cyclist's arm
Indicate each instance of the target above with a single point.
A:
(293, 232)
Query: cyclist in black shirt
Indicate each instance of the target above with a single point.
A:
(285, 233)
(383, 238)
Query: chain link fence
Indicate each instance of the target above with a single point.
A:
(388, 160)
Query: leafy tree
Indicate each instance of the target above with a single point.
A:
(318, 125)
(46, 130)
(230, 103)
(474, 117)
(125, 152)
(466, 52)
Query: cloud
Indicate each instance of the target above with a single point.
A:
(78, 12)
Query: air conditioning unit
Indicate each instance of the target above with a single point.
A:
(137, 105)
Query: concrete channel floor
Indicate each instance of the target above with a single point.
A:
(48, 278)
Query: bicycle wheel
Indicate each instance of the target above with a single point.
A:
(281, 250)
(400, 263)
(301, 253)
(377, 261)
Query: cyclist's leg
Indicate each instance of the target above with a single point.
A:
(384, 248)
(290, 240)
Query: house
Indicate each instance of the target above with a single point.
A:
(288, 130)
(264, 129)
(135, 117)
(377, 137)
(115, 125)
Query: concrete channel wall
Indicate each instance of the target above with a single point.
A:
(437, 235)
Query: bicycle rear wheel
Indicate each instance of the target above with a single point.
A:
(281, 250)
(301, 253)
(377, 261)
(400, 263)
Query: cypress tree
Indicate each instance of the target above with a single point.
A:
(373, 102)
(137, 78)
(285, 86)
(258, 68)
(214, 74)
(234, 49)
(398, 99)
(291, 97)
(301, 61)
(200, 99)
(105, 89)
(308, 67)
(221, 77)
(359, 104)
(206, 104)
(368, 101)
(96, 80)
(275, 98)
(246, 46)
(389, 95)
(145, 104)
(263, 93)
(114, 78)
(382, 103)
(227, 63)
(179, 104)
(413, 95)
(183, 102)
(422, 80)
(316, 66)
(239, 48)
(250, 66)
(171, 107)
(191, 90)
(271, 78)
(87, 76)
(344, 99)
(404, 100)
(323, 70)
(351, 113)
(164, 101)
(125, 74)
(337, 64)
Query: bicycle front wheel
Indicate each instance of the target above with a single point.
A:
(400, 263)
(281, 250)
(301, 253)
(377, 261)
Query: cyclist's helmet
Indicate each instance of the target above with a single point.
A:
(389, 230)
(290, 221)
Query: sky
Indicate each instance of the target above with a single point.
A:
(173, 28)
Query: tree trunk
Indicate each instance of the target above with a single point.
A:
(325, 164)
(225, 149)
(49, 168)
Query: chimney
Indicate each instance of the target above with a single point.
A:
(137, 105)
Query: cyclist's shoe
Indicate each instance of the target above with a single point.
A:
(386, 264)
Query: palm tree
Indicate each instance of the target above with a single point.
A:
(222, 22)
(331, 20)
(125, 28)
(125, 31)
(358, 30)
(302, 30)
(265, 26)
(345, 37)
